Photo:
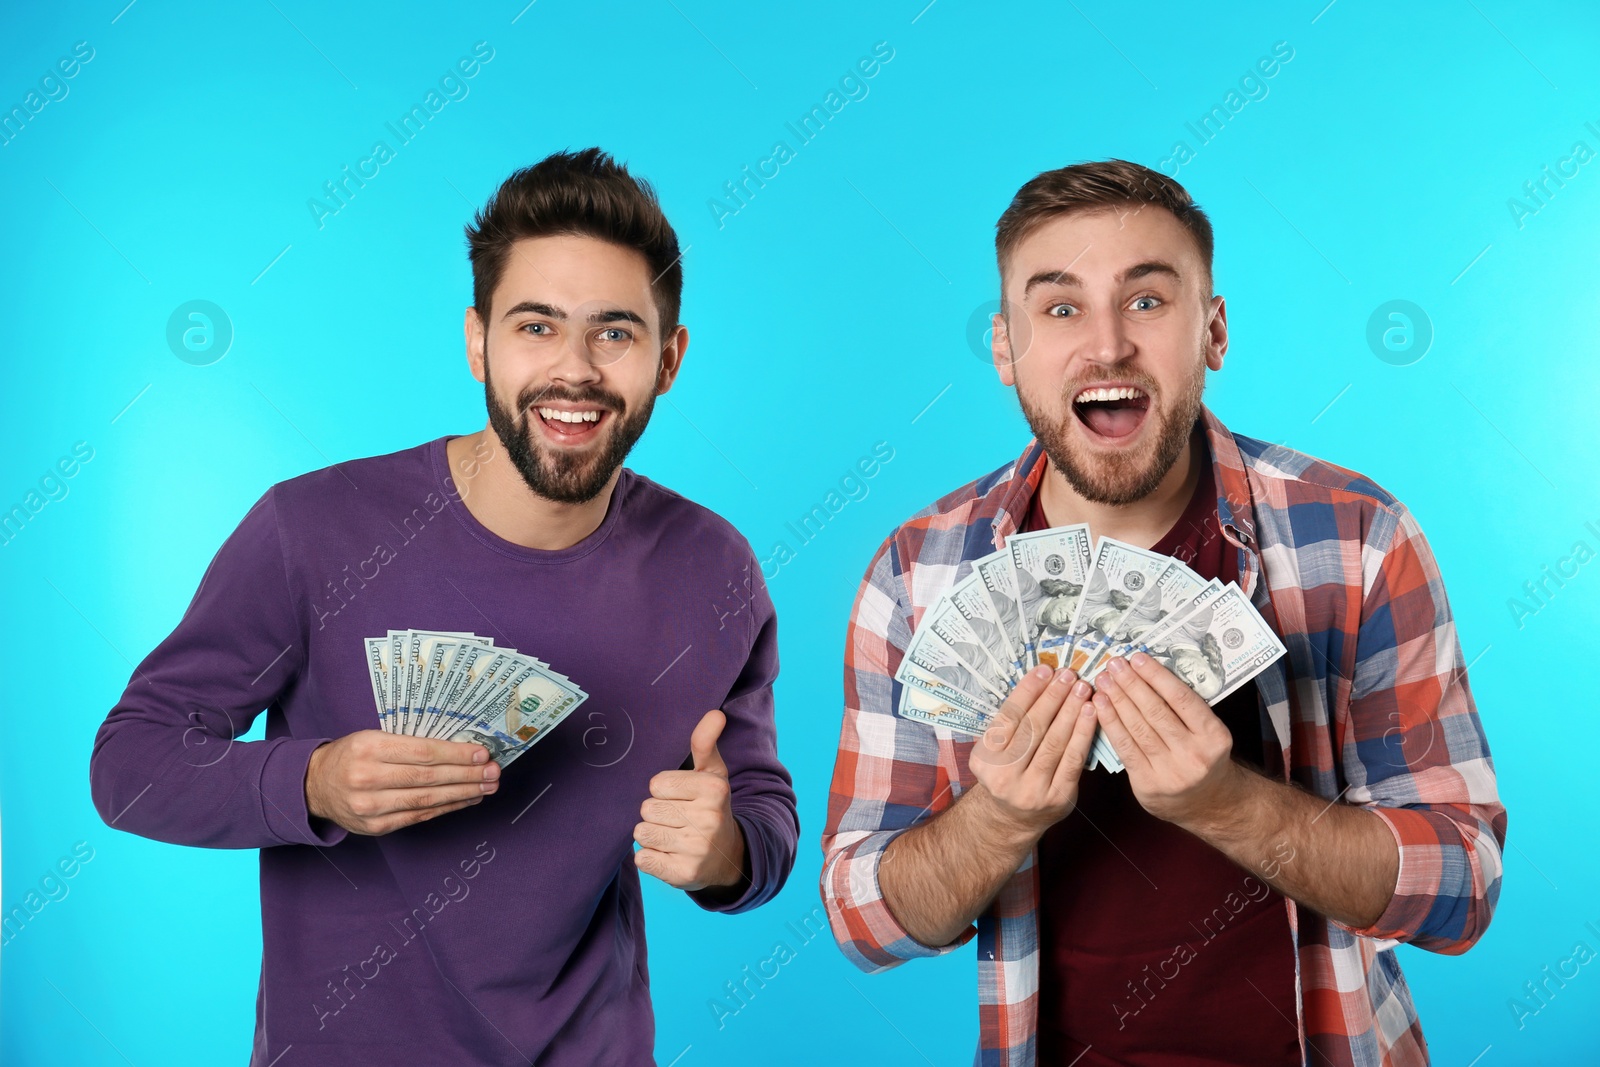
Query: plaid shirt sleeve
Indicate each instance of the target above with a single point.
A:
(891, 774)
(1414, 751)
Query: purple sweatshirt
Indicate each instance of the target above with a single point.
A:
(509, 932)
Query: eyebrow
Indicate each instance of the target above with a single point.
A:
(534, 307)
(1138, 270)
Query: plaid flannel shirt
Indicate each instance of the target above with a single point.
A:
(1369, 706)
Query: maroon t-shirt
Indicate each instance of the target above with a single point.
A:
(1156, 950)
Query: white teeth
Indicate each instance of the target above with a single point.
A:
(1126, 392)
(570, 416)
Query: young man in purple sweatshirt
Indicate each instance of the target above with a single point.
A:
(419, 904)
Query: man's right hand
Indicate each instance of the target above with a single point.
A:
(1030, 760)
(374, 782)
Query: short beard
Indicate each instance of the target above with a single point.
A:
(565, 478)
(1118, 480)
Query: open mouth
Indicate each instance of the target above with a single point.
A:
(571, 425)
(1111, 413)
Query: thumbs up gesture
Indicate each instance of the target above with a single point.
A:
(688, 837)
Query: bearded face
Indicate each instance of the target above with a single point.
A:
(555, 467)
(1107, 333)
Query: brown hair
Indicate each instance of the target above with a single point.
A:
(1094, 185)
(585, 193)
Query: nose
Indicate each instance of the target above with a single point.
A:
(574, 362)
(1107, 340)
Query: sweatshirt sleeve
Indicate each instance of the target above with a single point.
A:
(763, 797)
(166, 762)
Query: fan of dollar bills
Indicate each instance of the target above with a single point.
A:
(1043, 599)
(459, 687)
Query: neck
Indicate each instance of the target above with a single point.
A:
(1141, 523)
(492, 489)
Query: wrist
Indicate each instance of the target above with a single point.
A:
(1003, 825)
(1230, 807)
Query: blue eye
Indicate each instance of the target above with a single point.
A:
(1051, 311)
(1153, 299)
(621, 335)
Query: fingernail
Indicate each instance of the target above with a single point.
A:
(1041, 672)
(1116, 665)
(491, 772)
(489, 787)
(1102, 701)
(479, 755)
(1140, 659)
(1081, 690)
(1063, 675)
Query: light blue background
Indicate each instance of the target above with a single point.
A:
(828, 314)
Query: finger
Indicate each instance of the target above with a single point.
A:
(664, 812)
(398, 748)
(1173, 730)
(660, 838)
(689, 786)
(421, 775)
(1189, 705)
(1128, 750)
(388, 801)
(1016, 705)
(1051, 718)
(703, 743)
(1133, 718)
(660, 865)
(401, 820)
(1079, 743)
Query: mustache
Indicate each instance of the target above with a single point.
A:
(529, 398)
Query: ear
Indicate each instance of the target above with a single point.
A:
(1000, 349)
(472, 329)
(1217, 333)
(672, 352)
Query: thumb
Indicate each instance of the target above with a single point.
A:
(703, 743)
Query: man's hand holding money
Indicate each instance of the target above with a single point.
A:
(373, 782)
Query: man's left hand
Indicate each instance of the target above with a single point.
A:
(689, 837)
(1176, 750)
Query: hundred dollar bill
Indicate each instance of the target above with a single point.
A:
(395, 646)
(970, 599)
(1173, 591)
(909, 674)
(950, 626)
(999, 579)
(440, 648)
(468, 664)
(521, 714)
(418, 646)
(1050, 568)
(920, 706)
(1121, 574)
(378, 673)
(928, 652)
(1218, 646)
(501, 670)
(1142, 643)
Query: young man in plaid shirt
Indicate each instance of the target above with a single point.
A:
(1235, 896)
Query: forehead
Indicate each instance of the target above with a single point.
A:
(1099, 243)
(569, 270)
